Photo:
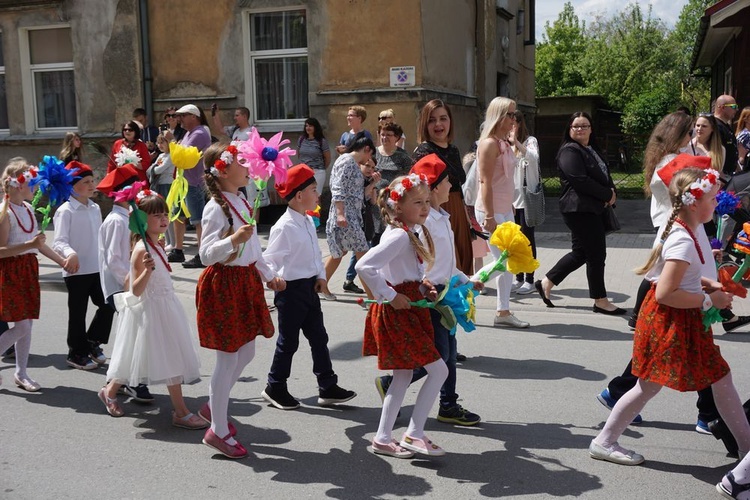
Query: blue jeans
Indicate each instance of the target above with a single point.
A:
(350, 272)
(196, 200)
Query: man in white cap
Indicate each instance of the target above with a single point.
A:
(189, 117)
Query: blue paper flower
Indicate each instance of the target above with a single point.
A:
(459, 298)
(54, 180)
(726, 203)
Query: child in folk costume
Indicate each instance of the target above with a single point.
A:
(294, 254)
(77, 223)
(114, 252)
(671, 346)
(20, 241)
(153, 344)
(232, 310)
(401, 335)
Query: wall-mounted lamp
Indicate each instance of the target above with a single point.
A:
(520, 21)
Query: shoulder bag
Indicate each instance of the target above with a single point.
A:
(533, 199)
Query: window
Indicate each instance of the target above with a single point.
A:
(277, 43)
(50, 59)
(3, 98)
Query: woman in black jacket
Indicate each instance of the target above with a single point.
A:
(587, 189)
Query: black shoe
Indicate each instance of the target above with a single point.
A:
(631, 322)
(334, 395)
(279, 397)
(730, 326)
(139, 393)
(540, 291)
(460, 358)
(349, 286)
(615, 312)
(175, 255)
(97, 354)
(458, 415)
(10, 353)
(194, 263)
(82, 362)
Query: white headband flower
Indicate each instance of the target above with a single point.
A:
(23, 178)
(703, 185)
(226, 159)
(407, 184)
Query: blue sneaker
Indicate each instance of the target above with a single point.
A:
(701, 427)
(606, 399)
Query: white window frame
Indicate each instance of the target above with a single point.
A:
(4, 131)
(293, 125)
(28, 81)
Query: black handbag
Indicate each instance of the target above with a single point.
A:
(609, 218)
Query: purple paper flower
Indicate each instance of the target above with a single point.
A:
(715, 244)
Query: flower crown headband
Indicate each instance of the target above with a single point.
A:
(703, 185)
(226, 159)
(407, 184)
(145, 193)
(22, 178)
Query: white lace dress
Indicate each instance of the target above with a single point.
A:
(153, 341)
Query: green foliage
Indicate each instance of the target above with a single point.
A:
(558, 69)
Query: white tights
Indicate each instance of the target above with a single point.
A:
(632, 402)
(20, 335)
(437, 372)
(229, 366)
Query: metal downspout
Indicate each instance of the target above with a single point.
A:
(146, 60)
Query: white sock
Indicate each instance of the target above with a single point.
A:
(20, 335)
(437, 372)
(218, 392)
(730, 408)
(245, 354)
(629, 405)
(394, 398)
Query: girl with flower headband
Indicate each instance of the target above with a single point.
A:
(153, 344)
(232, 310)
(401, 335)
(20, 241)
(671, 346)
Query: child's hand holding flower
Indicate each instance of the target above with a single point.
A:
(242, 235)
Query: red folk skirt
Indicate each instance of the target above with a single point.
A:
(19, 288)
(232, 309)
(672, 348)
(402, 339)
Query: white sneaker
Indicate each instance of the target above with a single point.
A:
(515, 285)
(526, 289)
(511, 321)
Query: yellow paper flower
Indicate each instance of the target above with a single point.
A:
(472, 314)
(508, 236)
(184, 158)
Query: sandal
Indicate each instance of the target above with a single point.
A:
(392, 449)
(189, 421)
(112, 405)
(423, 446)
(205, 414)
(737, 488)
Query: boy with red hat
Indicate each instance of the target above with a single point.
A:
(293, 253)
(439, 226)
(114, 251)
(77, 224)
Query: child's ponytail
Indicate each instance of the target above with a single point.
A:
(213, 154)
(656, 251)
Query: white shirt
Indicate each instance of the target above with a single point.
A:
(215, 248)
(438, 223)
(661, 205)
(25, 215)
(76, 232)
(393, 261)
(114, 251)
(530, 172)
(293, 251)
(680, 246)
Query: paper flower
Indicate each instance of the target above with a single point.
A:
(54, 180)
(129, 193)
(727, 202)
(508, 236)
(728, 284)
(183, 158)
(456, 306)
(264, 158)
(126, 155)
(315, 214)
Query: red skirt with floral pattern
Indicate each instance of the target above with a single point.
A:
(401, 339)
(19, 288)
(232, 308)
(672, 348)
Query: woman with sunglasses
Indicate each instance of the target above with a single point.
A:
(171, 126)
(587, 190)
(386, 117)
(131, 139)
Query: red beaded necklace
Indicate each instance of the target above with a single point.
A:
(247, 205)
(695, 241)
(159, 253)
(18, 220)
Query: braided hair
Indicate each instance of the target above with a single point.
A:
(680, 183)
(426, 255)
(15, 167)
(210, 156)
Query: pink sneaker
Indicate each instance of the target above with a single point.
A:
(236, 450)
(423, 446)
(392, 449)
(205, 414)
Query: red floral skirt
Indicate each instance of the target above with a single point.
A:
(232, 309)
(401, 339)
(19, 288)
(672, 348)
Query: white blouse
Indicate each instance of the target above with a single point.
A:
(24, 217)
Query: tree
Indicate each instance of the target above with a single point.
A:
(558, 55)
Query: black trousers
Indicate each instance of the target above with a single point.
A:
(80, 290)
(528, 231)
(299, 309)
(589, 248)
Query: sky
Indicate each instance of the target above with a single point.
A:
(548, 10)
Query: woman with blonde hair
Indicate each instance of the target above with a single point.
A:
(72, 148)
(743, 136)
(707, 141)
(496, 166)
